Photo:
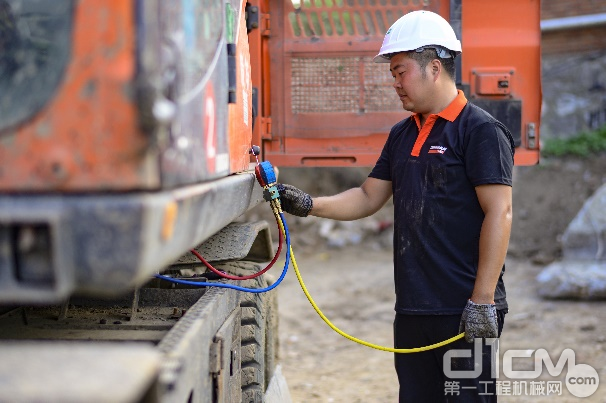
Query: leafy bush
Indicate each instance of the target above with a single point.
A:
(582, 145)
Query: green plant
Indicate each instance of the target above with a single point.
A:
(582, 145)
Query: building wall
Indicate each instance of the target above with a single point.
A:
(573, 71)
(568, 8)
(573, 41)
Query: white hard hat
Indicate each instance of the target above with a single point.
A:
(417, 30)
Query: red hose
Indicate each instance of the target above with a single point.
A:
(257, 274)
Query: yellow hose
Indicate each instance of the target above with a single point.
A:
(347, 336)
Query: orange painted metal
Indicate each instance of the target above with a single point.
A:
(87, 137)
(503, 37)
(493, 83)
(260, 70)
(240, 113)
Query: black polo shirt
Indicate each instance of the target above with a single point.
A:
(434, 171)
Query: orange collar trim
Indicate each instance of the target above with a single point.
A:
(451, 112)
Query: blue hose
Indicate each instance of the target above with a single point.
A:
(235, 287)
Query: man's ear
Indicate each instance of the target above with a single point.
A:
(435, 68)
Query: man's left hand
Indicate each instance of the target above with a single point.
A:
(479, 320)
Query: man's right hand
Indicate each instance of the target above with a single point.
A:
(479, 320)
(294, 201)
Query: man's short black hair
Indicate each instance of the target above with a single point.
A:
(427, 55)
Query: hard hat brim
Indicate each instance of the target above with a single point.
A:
(380, 59)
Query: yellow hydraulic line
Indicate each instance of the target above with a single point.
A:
(342, 333)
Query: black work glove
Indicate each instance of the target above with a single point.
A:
(479, 320)
(294, 201)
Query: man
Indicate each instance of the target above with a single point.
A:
(449, 169)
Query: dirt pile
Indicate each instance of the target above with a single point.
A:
(546, 198)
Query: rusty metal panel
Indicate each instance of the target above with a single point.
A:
(115, 95)
(331, 105)
(86, 134)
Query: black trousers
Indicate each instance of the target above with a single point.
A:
(422, 376)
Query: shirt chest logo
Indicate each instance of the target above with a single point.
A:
(437, 150)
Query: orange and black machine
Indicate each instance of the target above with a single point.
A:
(125, 126)
(330, 105)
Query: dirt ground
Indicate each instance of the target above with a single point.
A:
(353, 285)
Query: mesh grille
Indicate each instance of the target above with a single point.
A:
(348, 17)
(380, 95)
(341, 84)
